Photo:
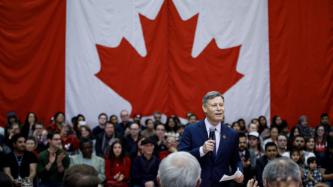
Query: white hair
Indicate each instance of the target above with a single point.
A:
(179, 169)
(281, 170)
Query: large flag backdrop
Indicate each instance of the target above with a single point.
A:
(89, 57)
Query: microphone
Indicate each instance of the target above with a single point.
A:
(211, 133)
(211, 137)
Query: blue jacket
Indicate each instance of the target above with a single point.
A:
(212, 168)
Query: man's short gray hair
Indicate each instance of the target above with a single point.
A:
(179, 169)
(211, 95)
(281, 170)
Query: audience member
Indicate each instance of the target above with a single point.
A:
(104, 139)
(29, 124)
(131, 140)
(179, 169)
(280, 172)
(171, 145)
(87, 157)
(312, 175)
(121, 128)
(20, 164)
(81, 175)
(271, 153)
(57, 122)
(145, 167)
(52, 162)
(102, 119)
(282, 144)
(117, 167)
(303, 126)
(149, 130)
(31, 145)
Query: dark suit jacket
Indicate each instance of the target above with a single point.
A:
(213, 168)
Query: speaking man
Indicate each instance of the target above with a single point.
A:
(213, 143)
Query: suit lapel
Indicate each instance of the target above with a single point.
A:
(203, 130)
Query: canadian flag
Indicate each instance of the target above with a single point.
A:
(89, 57)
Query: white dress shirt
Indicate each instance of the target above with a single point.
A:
(217, 136)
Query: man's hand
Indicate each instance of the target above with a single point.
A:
(208, 146)
(252, 183)
(239, 178)
(60, 157)
(149, 184)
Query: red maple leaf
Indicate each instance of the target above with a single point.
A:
(168, 79)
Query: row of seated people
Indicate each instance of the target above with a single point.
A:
(128, 153)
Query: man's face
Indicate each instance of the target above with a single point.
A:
(124, 116)
(214, 110)
(324, 120)
(192, 119)
(271, 152)
(157, 116)
(160, 131)
(56, 141)
(109, 129)
(148, 149)
(19, 145)
(87, 150)
(299, 142)
(253, 141)
(134, 129)
(102, 119)
(242, 143)
(39, 128)
(282, 142)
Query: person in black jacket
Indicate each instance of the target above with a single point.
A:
(104, 140)
(271, 153)
(145, 167)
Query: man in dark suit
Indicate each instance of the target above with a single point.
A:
(216, 157)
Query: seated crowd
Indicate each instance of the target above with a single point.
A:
(128, 152)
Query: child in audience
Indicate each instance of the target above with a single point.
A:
(312, 175)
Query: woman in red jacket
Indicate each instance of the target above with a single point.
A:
(117, 167)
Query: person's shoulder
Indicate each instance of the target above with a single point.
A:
(99, 159)
(195, 126)
(29, 154)
(228, 129)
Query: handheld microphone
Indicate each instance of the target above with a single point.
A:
(211, 134)
(211, 137)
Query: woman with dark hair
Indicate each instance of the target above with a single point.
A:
(171, 126)
(273, 135)
(29, 124)
(263, 127)
(149, 130)
(114, 119)
(76, 121)
(57, 122)
(320, 143)
(69, 141)
(242, 124)
(295, 131)
(279, 123)
(117, 167)
(262, 124)
(235, 125)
